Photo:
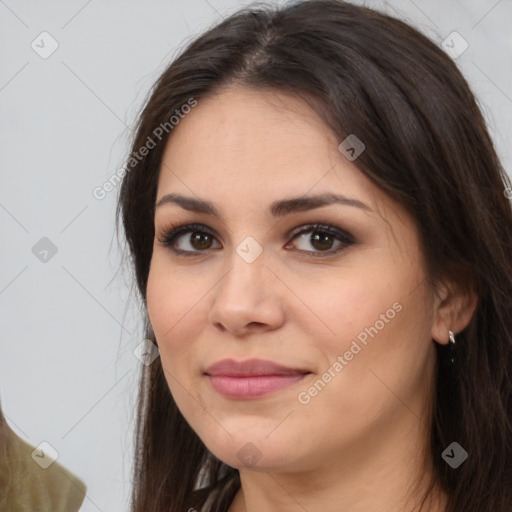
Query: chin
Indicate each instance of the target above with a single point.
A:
(257, 455)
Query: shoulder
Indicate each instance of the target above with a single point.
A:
(49, 486)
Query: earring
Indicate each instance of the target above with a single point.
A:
(451, 356)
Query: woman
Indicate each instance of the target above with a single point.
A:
(321, 239)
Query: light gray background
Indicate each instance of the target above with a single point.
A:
(68, 375)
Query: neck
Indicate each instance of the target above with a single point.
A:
(390, 473)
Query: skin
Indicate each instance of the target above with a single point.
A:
(362, 440)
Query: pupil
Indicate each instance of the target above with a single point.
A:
(200, 238)
(317, 237)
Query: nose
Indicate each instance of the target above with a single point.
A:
(247, 299)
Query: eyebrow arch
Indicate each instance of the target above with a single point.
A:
(277, 209)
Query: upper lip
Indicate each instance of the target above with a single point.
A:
(250, 368)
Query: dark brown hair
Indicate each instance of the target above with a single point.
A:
(427, 146)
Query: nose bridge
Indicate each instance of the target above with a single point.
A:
(245, 296)
(247, 267)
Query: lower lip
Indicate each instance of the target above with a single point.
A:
(252, 387)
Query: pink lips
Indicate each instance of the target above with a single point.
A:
(252, 378)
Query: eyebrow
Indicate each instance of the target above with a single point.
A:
(277, 209)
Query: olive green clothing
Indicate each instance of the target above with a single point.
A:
(26, 487)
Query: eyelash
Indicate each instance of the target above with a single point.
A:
(169, 235)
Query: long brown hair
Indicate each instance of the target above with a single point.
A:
(427, 146)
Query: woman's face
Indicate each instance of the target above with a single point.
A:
(348, 311)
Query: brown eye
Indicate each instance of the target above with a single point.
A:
(322, 239)
(200, 241)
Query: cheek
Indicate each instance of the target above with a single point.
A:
(376, 318)
(172, 304)
(171, 295)
(382, 336)
(159, 296)
(172, 320)
(349, 303)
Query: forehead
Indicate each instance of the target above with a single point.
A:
(248, 144)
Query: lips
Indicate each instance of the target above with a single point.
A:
(250, 368)
(254, 378)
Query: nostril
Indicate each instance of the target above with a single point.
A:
(255, 324)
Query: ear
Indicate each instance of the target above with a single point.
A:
(452, 310)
